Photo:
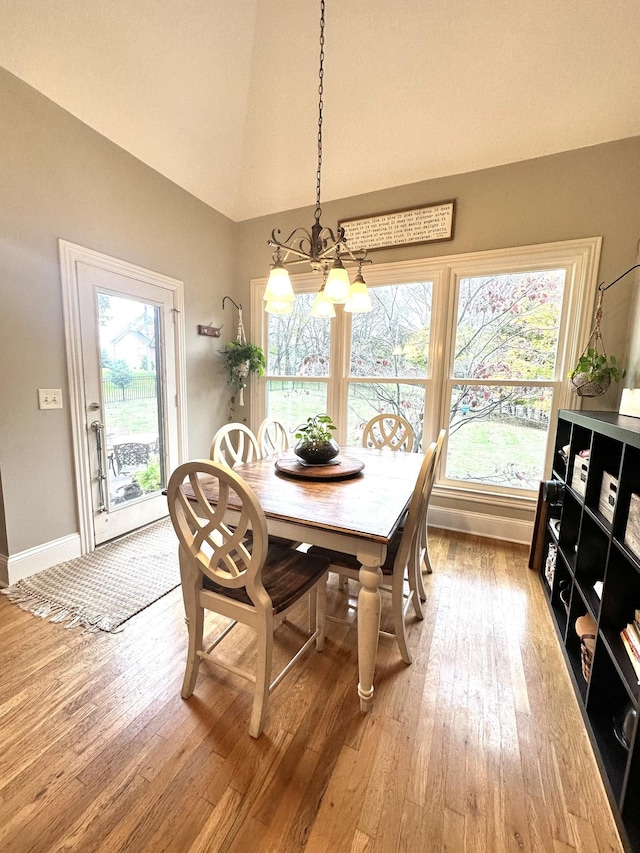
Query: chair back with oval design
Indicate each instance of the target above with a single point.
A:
(388, 430)
(233, 444)
(272, 437)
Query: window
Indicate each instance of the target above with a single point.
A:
(479, 344)
(500, 384)
(389, 357)
(298, 363)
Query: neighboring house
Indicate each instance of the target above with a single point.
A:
(135, 345)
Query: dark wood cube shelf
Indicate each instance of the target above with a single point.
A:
(597, 573)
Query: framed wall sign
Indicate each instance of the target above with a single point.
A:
(429, 224)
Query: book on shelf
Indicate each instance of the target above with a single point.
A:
(631, 653)
(633, 635)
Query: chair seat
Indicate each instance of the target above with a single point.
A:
(350, 561)
(287, 574)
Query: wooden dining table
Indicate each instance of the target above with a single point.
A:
(357, 515)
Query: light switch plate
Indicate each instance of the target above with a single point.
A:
(50, 398)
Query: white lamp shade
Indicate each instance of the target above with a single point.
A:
(275, 306)
(337, 286)
(278, 287)
(359, 301)
(323, 306)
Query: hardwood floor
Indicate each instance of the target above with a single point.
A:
(477, 746)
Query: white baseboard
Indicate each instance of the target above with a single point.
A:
(36, 559)
(26, 563)
(480, 524)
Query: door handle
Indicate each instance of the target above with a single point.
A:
(98, 427)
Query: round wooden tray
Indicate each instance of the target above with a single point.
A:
(346, 466)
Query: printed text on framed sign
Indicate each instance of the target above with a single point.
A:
(429, 224)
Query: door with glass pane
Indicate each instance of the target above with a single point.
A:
(130, 395)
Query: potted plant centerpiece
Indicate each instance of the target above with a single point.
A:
(316, 445)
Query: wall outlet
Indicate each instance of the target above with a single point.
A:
(50, 398)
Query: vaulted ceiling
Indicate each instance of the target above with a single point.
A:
(220, 96)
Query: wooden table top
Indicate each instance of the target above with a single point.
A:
(369, 505)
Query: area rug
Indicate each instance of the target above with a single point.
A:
(101, 590)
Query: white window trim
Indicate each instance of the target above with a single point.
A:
(579, 257)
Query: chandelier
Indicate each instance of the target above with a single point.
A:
(326, 253)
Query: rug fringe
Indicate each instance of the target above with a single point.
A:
(52, 612)
(100, 591)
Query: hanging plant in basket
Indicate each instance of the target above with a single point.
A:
(594, 371)
(242, 359)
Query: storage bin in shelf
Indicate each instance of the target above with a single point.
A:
(626, 522)
(604, 470)
(608, 496)
(632, 526)
(579, 474)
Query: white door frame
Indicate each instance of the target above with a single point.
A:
(70, 255)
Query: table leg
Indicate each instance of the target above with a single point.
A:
(370, 577)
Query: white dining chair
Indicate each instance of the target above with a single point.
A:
(403, 556)
(423, 562)
(247, 579)
(425, 559)
(234, 443)
(272, 437)
(388, 430)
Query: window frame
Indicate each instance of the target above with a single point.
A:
(580, 258)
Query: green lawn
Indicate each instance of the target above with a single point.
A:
(129, 417)
(490, 452)
(497, 453)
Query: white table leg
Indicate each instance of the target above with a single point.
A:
(370, 577)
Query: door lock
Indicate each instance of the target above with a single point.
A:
(93, 407)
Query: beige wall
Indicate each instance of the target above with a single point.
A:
(589, 192)
(60, 179)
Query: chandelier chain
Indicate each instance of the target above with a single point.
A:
(326, 252)
(320, 108)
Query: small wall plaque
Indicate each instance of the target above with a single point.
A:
(429, 224)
